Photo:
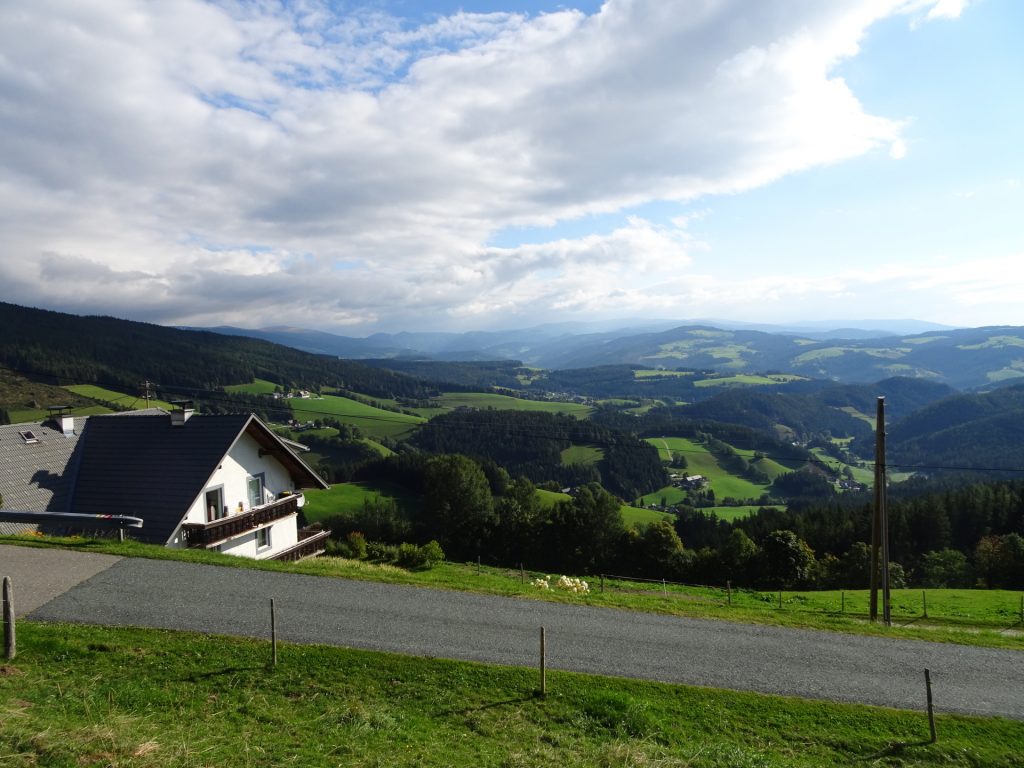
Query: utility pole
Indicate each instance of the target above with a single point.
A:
(146, 392)
(880, 525)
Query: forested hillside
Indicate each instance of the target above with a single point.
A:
(531, 444)
(104, 350)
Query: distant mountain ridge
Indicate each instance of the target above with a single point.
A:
(964, 358)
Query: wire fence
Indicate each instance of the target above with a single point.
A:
(989, 609)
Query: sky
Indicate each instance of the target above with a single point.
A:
(393, 165)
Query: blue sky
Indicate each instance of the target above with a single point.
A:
(395, 165)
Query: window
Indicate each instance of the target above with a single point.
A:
(215, 508)
(255, 490)
(263, 538)
(28, 436)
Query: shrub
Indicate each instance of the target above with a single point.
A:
(357, 545)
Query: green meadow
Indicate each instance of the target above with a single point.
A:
(373, 422)
(257, 387)
(582, 454)
(700, 461)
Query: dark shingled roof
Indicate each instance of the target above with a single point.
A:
(146, 467)
(36, 476)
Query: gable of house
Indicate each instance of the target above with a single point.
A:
(147, 467)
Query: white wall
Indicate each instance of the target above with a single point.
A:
(242, 462)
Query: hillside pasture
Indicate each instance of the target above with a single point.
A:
(346, 500)
(634, 516)
(747, 380)
(582, 454)
(484, 400)
(255, 387)
(117, 400)
(700, 461)
(373, 422)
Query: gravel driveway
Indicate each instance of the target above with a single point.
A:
(499, 630)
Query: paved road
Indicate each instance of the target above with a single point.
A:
(505, 631)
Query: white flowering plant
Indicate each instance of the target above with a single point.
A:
(565, 583)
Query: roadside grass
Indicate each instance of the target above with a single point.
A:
(101, 696)
(374, 422)
(988, 618)
(116, 399)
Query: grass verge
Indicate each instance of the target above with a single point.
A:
(97, 696)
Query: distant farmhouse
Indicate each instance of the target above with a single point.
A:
(224, 482)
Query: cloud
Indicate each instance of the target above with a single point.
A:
(266, 163)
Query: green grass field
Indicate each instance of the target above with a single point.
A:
(374, 422)
(484, 400)
(117, 399)
(195, 700)
(346, 499)
(582, 454)
(747, 380)
(257, 387)
(634, 516)
(41, 414)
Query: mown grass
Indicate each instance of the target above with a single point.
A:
(988, 621)
(97, 696)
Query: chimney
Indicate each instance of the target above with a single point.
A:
(182, 412)
(64, 420)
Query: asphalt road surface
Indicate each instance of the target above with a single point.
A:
(437, 623)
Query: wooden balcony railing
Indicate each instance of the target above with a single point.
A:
(208, 534)
(312, 542)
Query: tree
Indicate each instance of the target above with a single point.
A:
(738, 553)
(658, 549)
(946, 568)
(457, 506)
(585, 532)
(786, 559)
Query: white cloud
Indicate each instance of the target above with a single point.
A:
(261, 163)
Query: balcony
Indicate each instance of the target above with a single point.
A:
(312, 542)
(208, 534)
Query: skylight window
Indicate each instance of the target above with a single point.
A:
(28, 436)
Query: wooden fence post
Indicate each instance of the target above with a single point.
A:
(543, 665)
(924, 603)
(273, 632)
(10, 641)
(728, 591)
(780, 599)
(931, 710)
(842, 601)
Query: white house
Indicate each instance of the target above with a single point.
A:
(223, 482)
